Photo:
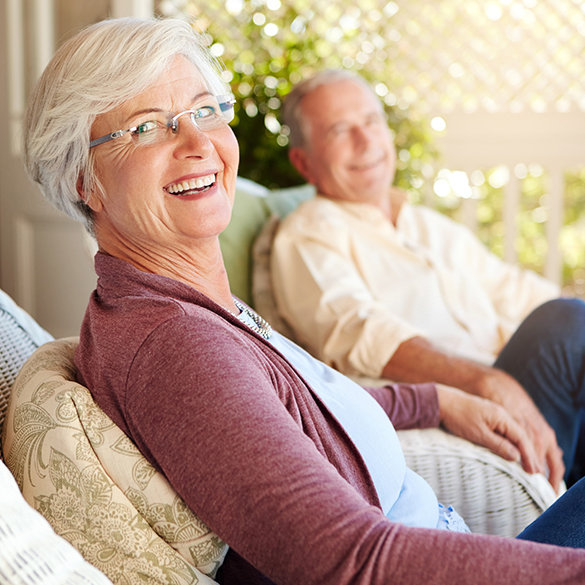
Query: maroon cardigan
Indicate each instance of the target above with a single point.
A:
(258, 457)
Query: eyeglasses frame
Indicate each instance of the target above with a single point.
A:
(226, 103)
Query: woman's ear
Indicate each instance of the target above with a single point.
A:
(91, 199)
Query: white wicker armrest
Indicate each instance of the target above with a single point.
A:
(20, 335)
(494, 496)
(30, 552)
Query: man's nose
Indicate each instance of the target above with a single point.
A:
(360, 136)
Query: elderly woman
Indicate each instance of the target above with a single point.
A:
(298, 469)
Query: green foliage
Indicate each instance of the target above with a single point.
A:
(572, 239)
(269, 46)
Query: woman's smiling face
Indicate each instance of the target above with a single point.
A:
(170, 194)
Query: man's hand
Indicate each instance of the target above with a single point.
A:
(486, 423)
(501, 388)
(417, 360)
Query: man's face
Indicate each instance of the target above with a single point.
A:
(350, 154)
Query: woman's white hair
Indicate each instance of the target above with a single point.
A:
(292, 111)
(101, 67)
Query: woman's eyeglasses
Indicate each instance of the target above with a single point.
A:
(217, 111)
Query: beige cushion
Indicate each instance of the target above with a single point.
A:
(253, 205)
(77, 468)
(262, 290)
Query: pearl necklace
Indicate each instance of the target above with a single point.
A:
(259, 325)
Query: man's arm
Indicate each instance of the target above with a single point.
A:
(417, 360)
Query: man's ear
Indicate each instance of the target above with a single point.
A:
(89, 198)
(300, 161)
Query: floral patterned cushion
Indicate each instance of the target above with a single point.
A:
(30, 551)
(77, 468)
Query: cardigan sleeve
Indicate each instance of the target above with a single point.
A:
(409, 406)
(232, 439)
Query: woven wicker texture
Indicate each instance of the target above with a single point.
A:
(30, 552)
(493, 495)
(16, 347)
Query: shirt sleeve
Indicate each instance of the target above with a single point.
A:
(514, 291)
(214, 423)
(321, 294)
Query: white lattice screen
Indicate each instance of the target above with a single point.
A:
(506, 56)
(500, 56)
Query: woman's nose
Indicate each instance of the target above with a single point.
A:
(190, 140)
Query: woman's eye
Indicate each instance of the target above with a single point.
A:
(145, 128)
(205, 112)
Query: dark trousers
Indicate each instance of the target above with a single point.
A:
(563, 523)
(547, 356)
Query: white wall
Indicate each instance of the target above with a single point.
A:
(44, 261)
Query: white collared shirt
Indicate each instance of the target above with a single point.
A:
(354, 287)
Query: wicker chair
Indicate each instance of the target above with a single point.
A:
(493, 495)
(20, 335)
(30, 552)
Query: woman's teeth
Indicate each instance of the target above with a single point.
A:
(191, 185)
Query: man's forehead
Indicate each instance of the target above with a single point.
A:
(340, 100)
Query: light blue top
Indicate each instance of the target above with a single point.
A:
(405, 497)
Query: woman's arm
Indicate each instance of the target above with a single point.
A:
(210, 412)
(409, 406)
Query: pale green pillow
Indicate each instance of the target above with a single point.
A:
(281, 202)
(248, 216)
(253, 206)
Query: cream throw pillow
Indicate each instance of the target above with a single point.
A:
(86, 477)
(262, 290)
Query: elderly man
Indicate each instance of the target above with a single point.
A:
(375, 286)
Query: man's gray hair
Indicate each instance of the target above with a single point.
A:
(292, 114)
(101, 67)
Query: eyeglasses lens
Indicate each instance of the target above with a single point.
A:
(205, 118)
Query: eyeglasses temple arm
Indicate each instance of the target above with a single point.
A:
(226, 103)
(106, 138)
